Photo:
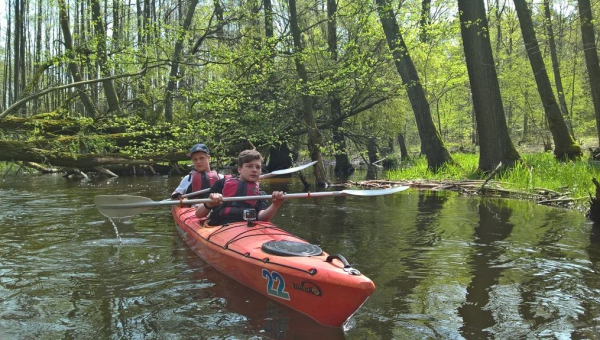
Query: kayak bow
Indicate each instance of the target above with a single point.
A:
(279, 265)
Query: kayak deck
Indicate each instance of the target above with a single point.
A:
(323, 286)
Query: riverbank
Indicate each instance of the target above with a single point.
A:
(540, 177)
(486, 188)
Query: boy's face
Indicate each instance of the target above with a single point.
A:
(201, 161)
(250, 172)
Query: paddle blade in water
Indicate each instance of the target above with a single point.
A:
(122, 205)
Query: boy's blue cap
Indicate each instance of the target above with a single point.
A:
(198, 148)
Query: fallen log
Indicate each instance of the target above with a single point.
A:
(29, 151)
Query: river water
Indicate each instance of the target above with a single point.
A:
(445, 267)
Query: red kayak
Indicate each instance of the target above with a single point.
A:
(279, 265)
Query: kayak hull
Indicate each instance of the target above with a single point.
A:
(321, 286)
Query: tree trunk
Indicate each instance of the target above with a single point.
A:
(372, 158)
(117, 34)
(38, 52)
(177, 51)
(591, 56)
(268, 19)
(146, 23)
(499, 41)
(495, 145)
(220, 18)
(73, 67)
(431, 142)
(315, 140)
(525, 134)
(425, 21)
(100, 35)
(7, 71)
(279, 158)
(19, 51)
(343, 166)
(17, 48)
(565, 146)
(556, 67)
(403, 150)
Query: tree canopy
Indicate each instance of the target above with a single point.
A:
(166, 74)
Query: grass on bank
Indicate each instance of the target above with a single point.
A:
(537, 171)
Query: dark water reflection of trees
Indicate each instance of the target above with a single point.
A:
(445, 267)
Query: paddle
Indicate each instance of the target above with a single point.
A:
(126, 205)
(270, 174)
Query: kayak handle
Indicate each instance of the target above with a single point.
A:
(347, 267)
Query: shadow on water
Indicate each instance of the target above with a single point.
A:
(484, 261)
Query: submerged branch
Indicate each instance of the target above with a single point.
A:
(473, 188)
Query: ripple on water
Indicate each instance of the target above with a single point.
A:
(114, 241)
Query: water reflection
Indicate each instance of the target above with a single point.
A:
(262, 315)
(485, 262)
(588, 321)
(445, 267)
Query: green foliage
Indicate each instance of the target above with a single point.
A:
(544, 171)
(416, 168)
(236, 85)
(537, 171)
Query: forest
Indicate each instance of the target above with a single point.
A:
(91, 85)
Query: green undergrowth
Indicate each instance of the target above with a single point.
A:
(537, 171)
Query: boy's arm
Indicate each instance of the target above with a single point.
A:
(182, 188)
(203, 210)
(277, 201)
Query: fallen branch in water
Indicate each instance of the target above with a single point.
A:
(474, 188)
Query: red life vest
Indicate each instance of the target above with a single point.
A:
(233, 211)
(202, 180)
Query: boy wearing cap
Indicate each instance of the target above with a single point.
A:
(249, 168)
(201, 177)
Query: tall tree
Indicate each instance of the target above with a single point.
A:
(7, 74)
(425, 20)
(19, 50)
(108, 85)
(564, 145)
(495, 145)
(431, 142)
(342, 162)
(38, 46)
(556, 66)
(176, 59)
(268, 19)
(91, 109)
(591, 56)
(315, 139)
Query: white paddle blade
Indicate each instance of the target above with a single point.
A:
(375, 192)
(287, 171)
(122, 205)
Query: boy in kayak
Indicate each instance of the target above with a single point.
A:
(249, 169)
(201, 177)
